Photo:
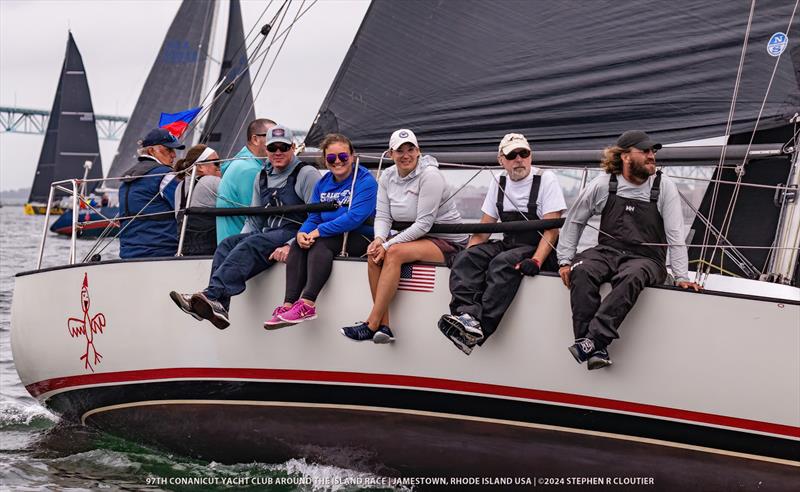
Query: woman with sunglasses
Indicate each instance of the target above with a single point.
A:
(413, 190)
(321, 236)
(201, 230)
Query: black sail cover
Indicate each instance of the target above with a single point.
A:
(571, 74)
(175, 82)
(71, 137)
(226, 124)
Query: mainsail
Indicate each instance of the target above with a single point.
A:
(71, 137)
(234, 106)
(569, 75)
(175, 82)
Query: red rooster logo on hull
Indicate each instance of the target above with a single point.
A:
(87, 326)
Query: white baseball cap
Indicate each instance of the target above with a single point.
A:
(513, 141)
(401, 136)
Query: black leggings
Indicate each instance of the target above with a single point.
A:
(307, 270)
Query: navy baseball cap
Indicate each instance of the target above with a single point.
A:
(160, 136)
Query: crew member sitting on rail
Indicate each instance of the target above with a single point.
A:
(486, 276)
(200, 238)
(236, 186)
(639, 216)
(323, 234)
(413, 190)
(148, 189)
(285, 180)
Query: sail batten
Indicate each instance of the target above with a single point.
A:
(568, 75)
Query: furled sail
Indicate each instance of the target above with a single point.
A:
(226, 125)
(71, 137)
(175, 81)
(569, 75)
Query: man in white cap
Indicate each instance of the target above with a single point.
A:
(486, 276)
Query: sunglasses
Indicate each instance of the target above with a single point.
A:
(342, 156)
(274, 147)
(524, 153)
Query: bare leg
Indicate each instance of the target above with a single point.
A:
(396, 256)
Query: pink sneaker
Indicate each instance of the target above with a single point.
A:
(275, 322)
(299, 312)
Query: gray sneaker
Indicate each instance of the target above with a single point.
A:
(211, 310)
(599, 359)
(184, 302)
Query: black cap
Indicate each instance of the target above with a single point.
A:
(638, 139)
(160, 136)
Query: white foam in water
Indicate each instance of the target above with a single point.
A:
(317, 477)
(13, 413)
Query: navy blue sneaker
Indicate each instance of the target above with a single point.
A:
(383, 335)
(582, 349)
(358, 333)
(599, 359)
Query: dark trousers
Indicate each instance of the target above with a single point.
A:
(628, 274)
(241, 257)
(307, 270)
(483, 281)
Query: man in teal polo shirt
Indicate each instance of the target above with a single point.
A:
(238, 175)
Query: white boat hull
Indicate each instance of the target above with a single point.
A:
(704, 374)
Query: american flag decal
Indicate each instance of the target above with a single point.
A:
(417, 278)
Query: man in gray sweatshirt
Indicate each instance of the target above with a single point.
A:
(640, 216)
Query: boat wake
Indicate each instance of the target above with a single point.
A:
(17, 416)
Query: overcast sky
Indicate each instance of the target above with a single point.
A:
(119, 40)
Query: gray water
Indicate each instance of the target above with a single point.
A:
(39, 452)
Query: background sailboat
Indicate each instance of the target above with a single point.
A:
(180, 65)
(71, 138)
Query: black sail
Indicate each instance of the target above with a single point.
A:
(175, 82)
(71, 137)
(224, 129)
(569, 75)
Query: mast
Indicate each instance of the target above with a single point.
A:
(71, 137)
(236, 105)
(175, 81)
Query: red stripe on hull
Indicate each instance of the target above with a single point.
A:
(421, 383)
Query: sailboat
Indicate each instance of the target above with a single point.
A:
(705, 387)
(70, 148)
(176, 82)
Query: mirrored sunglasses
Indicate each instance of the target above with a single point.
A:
(342, 156)
(524, 153)
(274, 147)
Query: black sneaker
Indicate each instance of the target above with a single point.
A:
(455, 335)
(211, 310)
(582, 349)
(184, 302)
(599, 359)
(466, 324)
(383, 335)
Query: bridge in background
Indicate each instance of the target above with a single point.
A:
(34, 121)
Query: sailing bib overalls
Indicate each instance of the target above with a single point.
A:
(623, 258)
(483, 280)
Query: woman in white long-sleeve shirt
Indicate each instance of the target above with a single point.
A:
(413, 190)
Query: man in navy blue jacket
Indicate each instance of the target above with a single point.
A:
(149, 189)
